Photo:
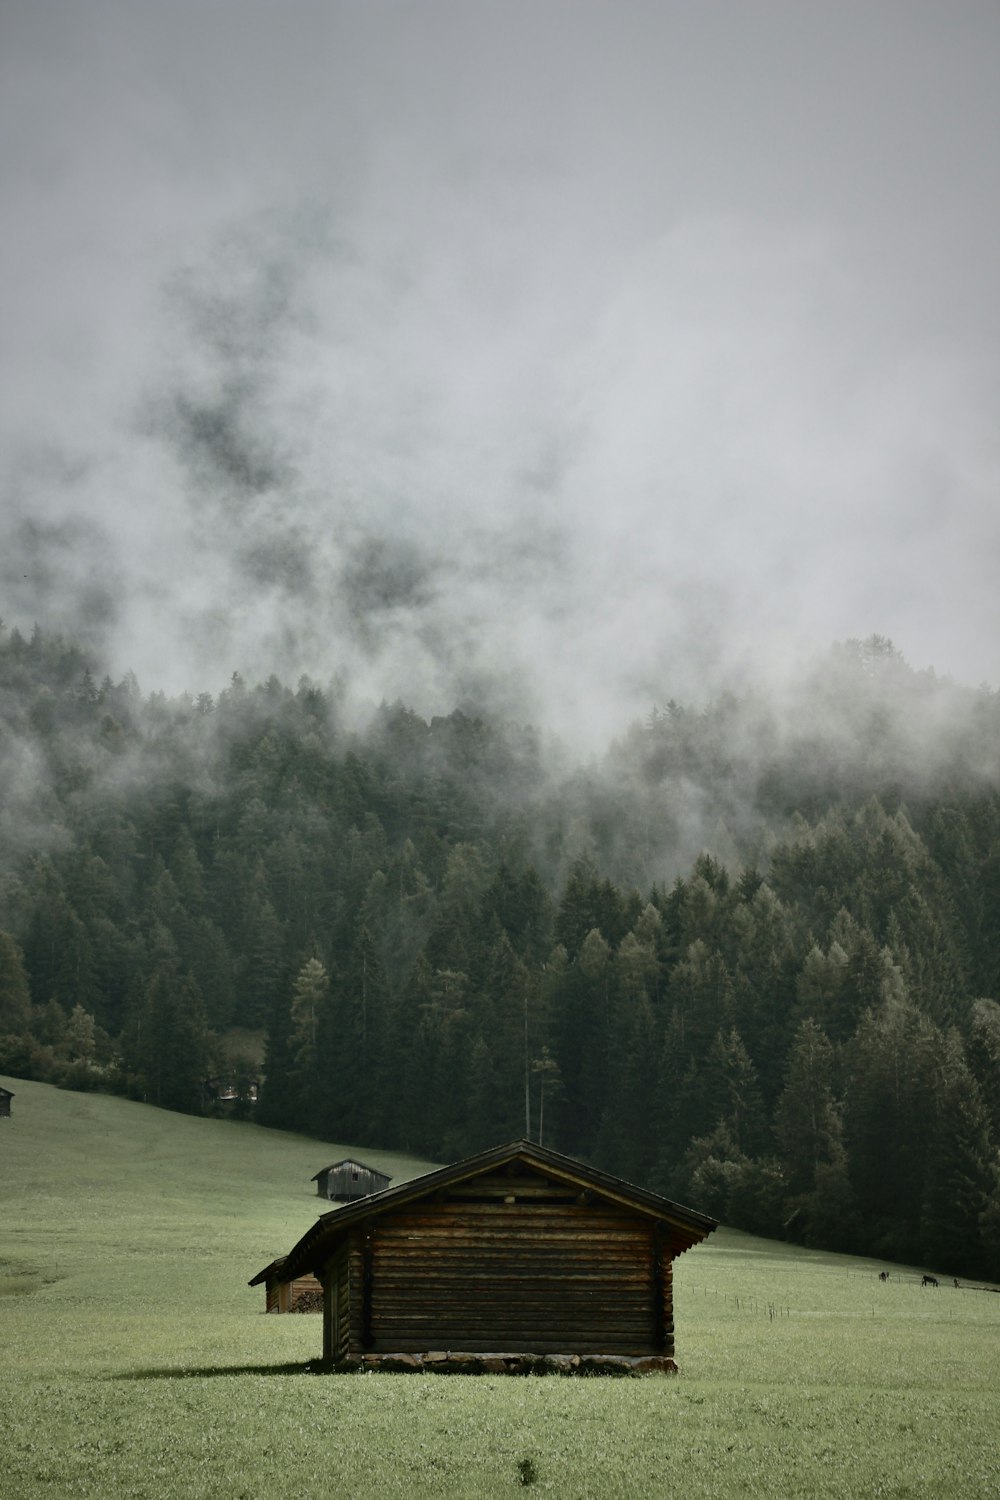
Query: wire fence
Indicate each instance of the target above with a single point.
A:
(748, 1303)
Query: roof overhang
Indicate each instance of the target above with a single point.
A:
(270, 1272)
(686, 1226)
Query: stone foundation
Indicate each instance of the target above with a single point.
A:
(457, 1362)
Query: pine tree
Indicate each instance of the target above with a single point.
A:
(960, 1175)
(409, 913)
(580, 1032)
(58, 955)
(579, 908)
(263, 966)
(81, 1035)
(211, 966)
(508, 1020)
(628, 1101)
(316, 1076)
(732, 1092)
(415, 1044)
(983, 1052)
(484, 1118)
(15, 996)
(279, 1100)
(820, 985)
(451, 940)
(764, 966)
(806, 1122)
(360, 1016)
(700, 992)
(172, 1042)
(519, 903)
(887, 1121)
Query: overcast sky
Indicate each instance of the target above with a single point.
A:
(566, 356)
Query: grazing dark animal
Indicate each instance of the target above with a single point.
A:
(929, 1281)
(883, 1276)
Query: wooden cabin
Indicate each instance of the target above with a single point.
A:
(347, 1180)
(303, 1294)
(516, 1259)
(5, 1097)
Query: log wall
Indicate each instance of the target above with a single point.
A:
(336, 1308)
(512, 1264)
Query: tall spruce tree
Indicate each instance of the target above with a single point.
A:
(960, 1172)
(15, 996)
(321, 1062)
(887, 1121)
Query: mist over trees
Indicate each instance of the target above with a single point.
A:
(750, 957)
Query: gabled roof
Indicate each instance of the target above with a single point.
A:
(686, 1226)
(350, 1161)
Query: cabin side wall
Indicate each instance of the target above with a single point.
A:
(515, 1264)
(338, 1283)
(665, 1300)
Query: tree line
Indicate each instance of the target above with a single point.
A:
(749, 958)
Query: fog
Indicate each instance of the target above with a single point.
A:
(559, 357)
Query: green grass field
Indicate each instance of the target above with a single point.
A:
(136, 1361)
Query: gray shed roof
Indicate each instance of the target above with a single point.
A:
(350, 1161)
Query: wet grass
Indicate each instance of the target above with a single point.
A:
(135, 1361)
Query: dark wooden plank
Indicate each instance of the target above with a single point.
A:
(468, 1258)
(474, 1236)
(581, 1318)
(355, 1278)
(526, 1210)
(513, 1288)
(519, 1307)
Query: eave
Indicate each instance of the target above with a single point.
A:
(686, 1226)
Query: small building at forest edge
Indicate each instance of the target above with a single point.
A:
(348, 1179)
(516, 1259)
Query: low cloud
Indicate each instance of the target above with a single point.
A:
(525, 383)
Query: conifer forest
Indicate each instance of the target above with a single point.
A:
(748, 956)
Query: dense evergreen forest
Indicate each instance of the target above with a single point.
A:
(750, 956)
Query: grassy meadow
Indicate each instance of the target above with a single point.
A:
(135, 1360)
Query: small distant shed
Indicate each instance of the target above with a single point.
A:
(518, 1259)
(348, 1179)
(5, 1097)
(227, 1091)
(303, 1294)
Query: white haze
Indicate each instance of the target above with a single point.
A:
(564, 357)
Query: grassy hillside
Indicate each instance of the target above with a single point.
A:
(135, 1361)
